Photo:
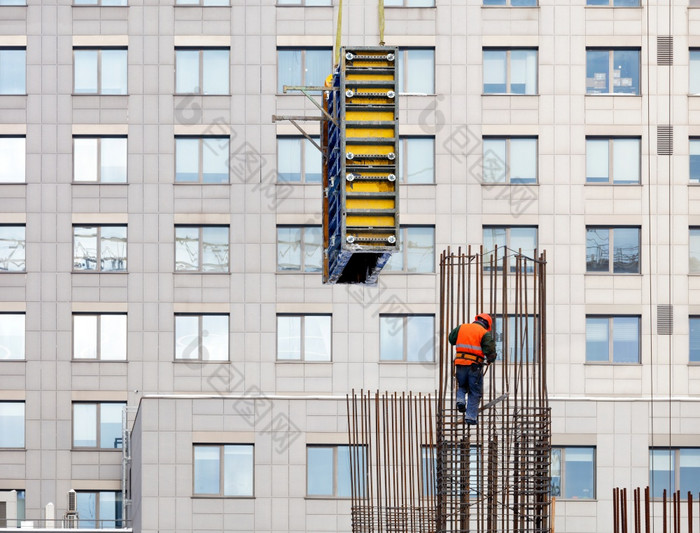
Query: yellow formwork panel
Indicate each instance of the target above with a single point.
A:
(370, 186)
(363, 133)
(369, 77)
(369, 220)
(369, 203)
(360, 149)
(371, 64)
(386, 116)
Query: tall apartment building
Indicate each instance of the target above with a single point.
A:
(160, 246)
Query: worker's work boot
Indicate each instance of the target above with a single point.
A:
(469, 421)
(461, 407)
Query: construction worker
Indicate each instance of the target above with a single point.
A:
(475, 346)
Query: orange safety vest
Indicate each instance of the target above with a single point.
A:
(469, 344)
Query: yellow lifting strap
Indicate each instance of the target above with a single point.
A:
(381, 22)
(338, 34)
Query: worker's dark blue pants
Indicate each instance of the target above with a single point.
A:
(470, 381)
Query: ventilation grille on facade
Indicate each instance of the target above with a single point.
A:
(664, 50)
(664, 319)
(664, 139)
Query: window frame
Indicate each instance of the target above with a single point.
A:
(201, 140)
(98, 340)
(99, 251)
(611, 251)
(222, 480)
(335, 448)
(15, 49)
(404, 333)
(563, 473)
(98, 157)
(611, 63)
(611, 4)
(404, 149)
(200, 343)
(302, 339)
(508, 67)
(303, 145)
(611, 159)
(675, 458)
(509, 4)
(508, 228)
(693, 231)
(23, 157)
(23, 247)
(611, 340)
(403, 239)
(99, 50)
(691, 319)
(302, 245)
(98, 425)
(508, 165)
(303, 49)
(23, 314)
(693, 140)
(23, 444)
(200, 249)
(201, 75)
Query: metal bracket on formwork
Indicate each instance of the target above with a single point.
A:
(293, 120)
(305, 90)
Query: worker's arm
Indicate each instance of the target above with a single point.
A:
(453, 335)
(488, 347)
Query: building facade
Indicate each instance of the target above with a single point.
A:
(160, 246)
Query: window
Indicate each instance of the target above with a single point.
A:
(11, 424)
(511, 3)
(202, 159)
(99, 159)
(408, 338)
(12, 333)
(612, 339)
(510, 159)
(674, 469)
(99, 510)
(99, 248)
(621, 65)
(303, 66)
(515, 238)
(522, 344)
(694, 160)
(613, 160)
(13, 3)
(100, 337)
(417, 251)
(298, 160)
(624, 242)
(307, 3)
(205, 3)
(694, 71)
(13, 70)
(202, 71)
(694, 251)
(409, 3)
(201, 248)
(97, 425)
(417, 70)
(573, 473)
(417, 159)
(328, 470)
(15, 499)
(201, 337)
(100, 71)
(12, 246)
(223, 470)
(99, 3)
(694, 351)
(12, 159)
(303, 337)
(614, 3)
(510, 71)
(299, 248)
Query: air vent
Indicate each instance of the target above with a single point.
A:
(72, 501)
(664, 139)
(664, 319)
(664, 50)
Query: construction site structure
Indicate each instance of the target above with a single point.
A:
(416, 466)
(360, 141)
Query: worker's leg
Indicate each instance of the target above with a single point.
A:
(462, 387)
(475, 381)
